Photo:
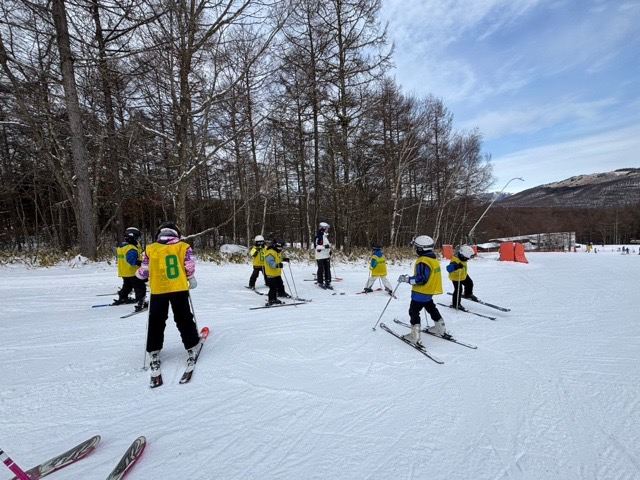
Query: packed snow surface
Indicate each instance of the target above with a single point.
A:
(311, 392)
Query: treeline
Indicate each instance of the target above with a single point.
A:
(597, 225)
(232, 118)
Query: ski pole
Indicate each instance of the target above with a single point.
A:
(385, 307)
(11, 465)
(193, 311)
(284, 274)
(293, 280)
(144, 362)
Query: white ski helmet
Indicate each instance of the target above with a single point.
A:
(324, 225)
(465, 252)
(423, 243)
(259, 238)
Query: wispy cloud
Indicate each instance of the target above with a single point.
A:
(535, 117)
(595, 153)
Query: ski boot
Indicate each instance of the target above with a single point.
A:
(192, 354)
(414, 335)
(438, 329)
(123, 301)
(471, 297)
(154, 363)
(389, 291)
(327, 286)
(458, 307)
(141, 305)
(368, 290)
(270, 303)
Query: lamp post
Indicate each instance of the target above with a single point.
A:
(487, 209)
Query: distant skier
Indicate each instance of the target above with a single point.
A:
(257, 256)
(378, 270)
(273, 263)
(459, 276)
(323, 256)
(168, 264)
(426, 282)
(128, 259)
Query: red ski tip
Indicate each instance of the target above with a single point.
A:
(204, 333)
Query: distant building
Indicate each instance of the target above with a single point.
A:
(550, 242)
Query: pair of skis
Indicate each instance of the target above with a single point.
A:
(297, 301)
(464, 310)
(156, 375)
(421, 348)
(486, 304)
(75, 454)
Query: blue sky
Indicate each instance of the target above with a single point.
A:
(553, 86)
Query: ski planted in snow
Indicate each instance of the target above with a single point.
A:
(305, 300)
(464, 310)
(255, 290)
(188, 373)
(419, 348)
(129, 458)
(278, 305)
(446, 337)
(365, 293)
(486, 304)
(67, 458)
(135, 312)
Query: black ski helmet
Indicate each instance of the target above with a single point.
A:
(170, 226)
(277, 245)
(132, 234)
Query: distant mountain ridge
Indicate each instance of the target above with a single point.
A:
(619, 188)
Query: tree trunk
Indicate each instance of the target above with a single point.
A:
(83, 202)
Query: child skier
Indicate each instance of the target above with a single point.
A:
(459, 276)
(426, 282)
(273, 261)
(378, 269)
(323, 256)
(128, 259)
(168, 264)
(257, 254)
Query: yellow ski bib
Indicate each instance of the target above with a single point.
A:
(166, 267)
(459, 274)
(268, 269)
(434, 284)
(380, 270)
(124, 268)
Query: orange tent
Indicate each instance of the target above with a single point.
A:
(518, 253)
(512, 252)
(447, 251)
(506, 252)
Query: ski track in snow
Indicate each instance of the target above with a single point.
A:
(311, 392)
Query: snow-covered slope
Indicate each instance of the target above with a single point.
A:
(312, 392)
(610, 189)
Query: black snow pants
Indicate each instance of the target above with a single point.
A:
(276, 288)
(467, 283)
(182, 315)
(323, 275)
(416, 307)
(135, 284)
(254, 276)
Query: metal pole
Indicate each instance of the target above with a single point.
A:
(144, 362)
(293, 281)
(385, 307)
(470, 236)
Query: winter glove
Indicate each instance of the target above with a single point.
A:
(280, 265)
(327, 246)
(286, 259)
(403, 279)
(192, 283)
